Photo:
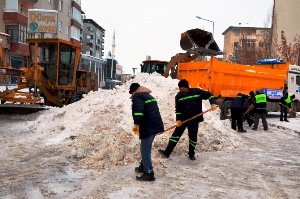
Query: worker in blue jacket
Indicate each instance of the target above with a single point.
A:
(188, 103)
(236, 109)
(147, 124)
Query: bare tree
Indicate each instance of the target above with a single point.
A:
(250, 49)
(287, 51)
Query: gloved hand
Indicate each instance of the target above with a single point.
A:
(136, 129)
(214, 107)
(178, 123)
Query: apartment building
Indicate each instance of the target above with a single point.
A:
(14, 26)
(13, 29)
(92, 39)
(251, 36)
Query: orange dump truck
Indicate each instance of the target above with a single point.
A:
(225, 80)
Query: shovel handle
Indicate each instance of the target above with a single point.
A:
(288, 108)
(185, 121)
(249, 109)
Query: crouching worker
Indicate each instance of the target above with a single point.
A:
(236, 109)
(285, 102)
(188, 103)
(147, 123)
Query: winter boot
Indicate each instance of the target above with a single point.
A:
(146, 177)
(140, 168)
(163, 152)
(242, 131)
(192, 157)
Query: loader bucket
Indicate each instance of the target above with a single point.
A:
(197, 41)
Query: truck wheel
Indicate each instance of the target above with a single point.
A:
(226, 110)
(77, 96)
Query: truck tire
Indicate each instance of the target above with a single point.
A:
(77, 96)
(226, 110)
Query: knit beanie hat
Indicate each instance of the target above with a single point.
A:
(183, 83)
(133, 87)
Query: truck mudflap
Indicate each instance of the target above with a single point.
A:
(22, 109)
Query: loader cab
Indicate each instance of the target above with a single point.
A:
(56, 58)
(151, 66)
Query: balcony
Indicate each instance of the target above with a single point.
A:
(77, 5)
(15, 17)
(248, 37)
(19, 48)
(75, 23)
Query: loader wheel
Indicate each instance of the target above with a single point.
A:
(226, 110)
(77, 96)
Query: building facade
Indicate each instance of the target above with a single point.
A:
(285, 22)
(251, 36)
(92, 39)
(70, 22)
(14, 26)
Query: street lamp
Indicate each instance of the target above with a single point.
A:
(209, 21)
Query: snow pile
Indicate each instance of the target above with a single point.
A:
(100, 125)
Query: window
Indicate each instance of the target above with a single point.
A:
(76, 14)
(22, 34)
(236, 32)
(235, 45)
(69, 11)
(75, 33)
(59, 26)
(262, 33)
(67, 30)
(249, 33)
(49, 1)
(18, 33)
(22, 9)
(261, 44)
(60, 5)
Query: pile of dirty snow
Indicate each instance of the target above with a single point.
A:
(100, 125)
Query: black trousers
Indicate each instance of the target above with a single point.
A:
(283, 113)
(236, 117)
(250, 117)
(192, 132)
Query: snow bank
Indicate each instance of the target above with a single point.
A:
(100, 125)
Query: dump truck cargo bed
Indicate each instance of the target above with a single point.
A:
(226, 79)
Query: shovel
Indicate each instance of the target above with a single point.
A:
(288, 108)
(249, 109)
(185, 121)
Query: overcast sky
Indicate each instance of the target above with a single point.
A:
(144, 27)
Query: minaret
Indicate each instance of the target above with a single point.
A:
(113, 46)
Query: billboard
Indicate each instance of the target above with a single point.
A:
(42, 21)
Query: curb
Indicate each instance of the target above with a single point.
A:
(283, 127)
